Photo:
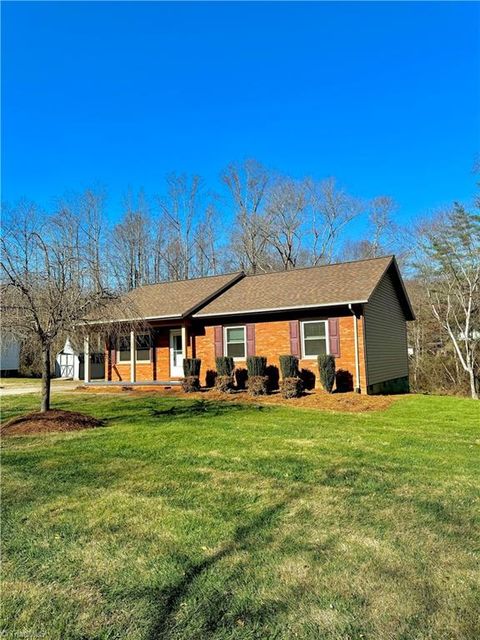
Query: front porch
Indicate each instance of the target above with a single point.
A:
(152, 356)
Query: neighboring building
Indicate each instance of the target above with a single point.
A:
(69, 364)
(356, 311)
(9, 354)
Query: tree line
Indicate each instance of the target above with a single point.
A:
(58, 264)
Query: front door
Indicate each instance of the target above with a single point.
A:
(176, 354)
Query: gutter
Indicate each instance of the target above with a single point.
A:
(221, 314)
(357, 358)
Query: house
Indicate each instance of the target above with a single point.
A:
(9, 354)
(356, 311)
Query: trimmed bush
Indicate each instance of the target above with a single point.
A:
(289, 366)
(191, 371)
(326, 370)
(191, 384)
(256, 366)
(257, 383)
(291, 387)
(191, 367)
(224, 383)
(224, 379)
(225, 366)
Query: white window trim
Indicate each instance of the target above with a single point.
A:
(235, 326)
(143, 333)
(327, 337)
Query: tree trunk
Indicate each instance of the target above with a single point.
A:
(45, 378)
(473, 385)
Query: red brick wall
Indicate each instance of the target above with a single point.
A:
(272, 339)
(158, 369)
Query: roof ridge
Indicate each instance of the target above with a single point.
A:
(320, 266)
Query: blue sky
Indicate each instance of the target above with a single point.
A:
(384, 96)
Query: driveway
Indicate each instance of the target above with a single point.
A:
(9, 387)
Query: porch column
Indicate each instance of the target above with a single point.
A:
(184, 340)
(86, 359)
(133, 356)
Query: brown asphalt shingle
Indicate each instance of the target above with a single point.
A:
(164, 300)
(314, 286)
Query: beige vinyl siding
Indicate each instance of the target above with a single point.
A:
(385, 334)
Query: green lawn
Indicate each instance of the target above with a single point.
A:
(188, 520)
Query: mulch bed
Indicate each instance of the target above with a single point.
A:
(53, 420)
(316, 399)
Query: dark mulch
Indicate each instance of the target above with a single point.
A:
(53, 420)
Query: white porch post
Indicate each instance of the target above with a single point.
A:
(184, 341)
(133, 356)
(86, 359)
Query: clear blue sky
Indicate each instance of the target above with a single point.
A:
(384, 96)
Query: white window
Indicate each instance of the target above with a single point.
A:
(314, 338)
(143, 344)
(234, 342)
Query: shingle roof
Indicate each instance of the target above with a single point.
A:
(326, 285)
(174, 299)
(234, 294)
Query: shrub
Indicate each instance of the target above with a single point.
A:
(257, 385)
(224, 379)
(257, 380)
(289, 366)
(191, 367)
(191, 371)
(191, 384)
(256, 366)
(291, 387)
(326, 370)
(224, 383)
(225, 366)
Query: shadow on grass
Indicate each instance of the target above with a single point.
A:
(204, 407)
(246, 537)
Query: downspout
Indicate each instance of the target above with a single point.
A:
(357, 358)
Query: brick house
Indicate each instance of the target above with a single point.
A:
(356, 311)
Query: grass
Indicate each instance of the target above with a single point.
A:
(190, 520)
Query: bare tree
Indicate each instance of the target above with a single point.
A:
(179, 210)
(332, 209)
(450, 268)
(46, 279)
(383, 235)
(285, 220)
(132, 244)
(206, 243)
(248, 185)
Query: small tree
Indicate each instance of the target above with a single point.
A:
(326, 370)
(49, 281)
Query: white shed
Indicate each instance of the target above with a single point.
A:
(9, 354)
(67, 362)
